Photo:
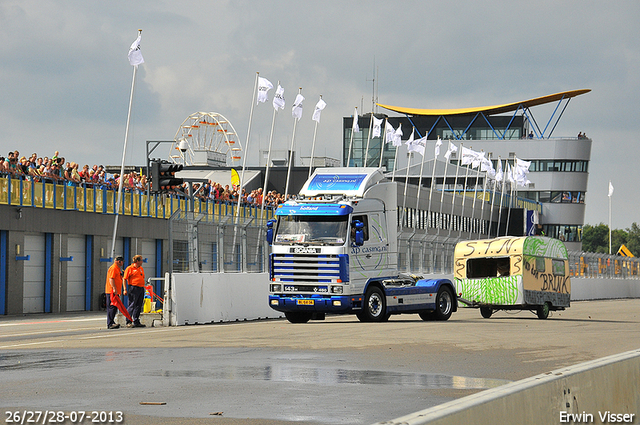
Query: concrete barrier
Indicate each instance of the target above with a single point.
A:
(219, 297)
(606, 390)
(583, 289)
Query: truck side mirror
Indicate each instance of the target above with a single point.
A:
(270, 231)
(358, 239)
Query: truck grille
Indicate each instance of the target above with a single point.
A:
(306, 267)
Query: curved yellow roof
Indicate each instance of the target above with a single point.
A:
(489, 110)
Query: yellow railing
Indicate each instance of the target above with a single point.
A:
(30, 193)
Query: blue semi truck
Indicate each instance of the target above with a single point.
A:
(334, 249)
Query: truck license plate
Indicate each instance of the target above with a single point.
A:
(304, 302)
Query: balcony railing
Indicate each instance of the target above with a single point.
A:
(28, 192)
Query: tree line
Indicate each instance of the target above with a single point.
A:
(596, 239)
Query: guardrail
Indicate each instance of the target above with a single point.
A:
(27, 191)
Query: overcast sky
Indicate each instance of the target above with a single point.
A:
(65, 79)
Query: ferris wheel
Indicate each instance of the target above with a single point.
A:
(206, 138)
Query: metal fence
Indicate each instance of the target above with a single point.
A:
(229, 244)
(218, 244)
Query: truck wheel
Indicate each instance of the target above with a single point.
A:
(426, 315)
(297, 317)
(444, 304)
(543, 311)
(375, 306)
(486, 312)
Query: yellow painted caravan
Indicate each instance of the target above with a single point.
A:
(513, 273)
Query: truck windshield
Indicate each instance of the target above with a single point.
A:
(312, 230)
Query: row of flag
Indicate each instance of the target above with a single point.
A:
(265, 85)
(516, 174)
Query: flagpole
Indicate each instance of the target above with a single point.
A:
(501, 196)
(433, 177)
(266, 174)
(610, 216)
(313, 145)
(484, 194)
(444, 181)
(453, 194)
(511, 182)
(366, 153)
(475, 195)
(493, 198)
(464, 189)
(246, 150)
(293, 138)
(395, 163)
(406, 181)
(353, 124)
(124, 153)
(384, 141)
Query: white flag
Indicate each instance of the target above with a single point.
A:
(510, 178)
(389, 132)
(610, 189)
(377, 127)
(397, 136)
(487, 166)
(355, 128)
(438, 144)
(419, 145)
(278, 98)
(467, 156)
(477, 160)
(135, 55)
(319, 107)
(296, 109)
(264, 86)
(409, 142)
(452, 149)
(499, 174)
(522, 166)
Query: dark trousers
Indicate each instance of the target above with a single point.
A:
(111, 311)
(136, 300)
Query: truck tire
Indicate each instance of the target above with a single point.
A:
(444, 304)
(375, 306)
(543, 311)
(297, 317)
(427, 315)
(486, 312)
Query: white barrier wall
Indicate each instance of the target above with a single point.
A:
(219, 297)
(583, 289)
(229, 297)
(599, 391)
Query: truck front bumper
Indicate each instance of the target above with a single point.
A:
(316, 303)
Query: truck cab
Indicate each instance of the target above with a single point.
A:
(334, 250)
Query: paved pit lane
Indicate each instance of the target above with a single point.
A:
(337, 371)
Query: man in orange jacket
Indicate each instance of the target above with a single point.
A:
(113, 284)
(134, 281)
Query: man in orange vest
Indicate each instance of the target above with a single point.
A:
(134, 282)
(113, 285)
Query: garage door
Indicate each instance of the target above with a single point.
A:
(33, 292)
(148, 252)
(76, 276)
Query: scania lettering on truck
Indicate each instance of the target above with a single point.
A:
(334, 249)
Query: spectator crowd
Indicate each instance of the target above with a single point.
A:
(57, 170)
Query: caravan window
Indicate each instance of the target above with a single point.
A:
(488, 267)
(540, 267)
(558, 267)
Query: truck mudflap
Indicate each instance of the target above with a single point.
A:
(317, 304)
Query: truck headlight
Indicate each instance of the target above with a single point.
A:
(336, 289)
(276, 288)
